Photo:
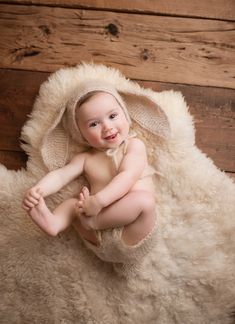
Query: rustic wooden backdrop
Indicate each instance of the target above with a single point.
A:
(183, 45)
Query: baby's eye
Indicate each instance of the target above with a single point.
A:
(113, 115)
(93, 124)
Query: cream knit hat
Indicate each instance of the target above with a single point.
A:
(137, 105)
(85, 89)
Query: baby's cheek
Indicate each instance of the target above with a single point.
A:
(94, 139)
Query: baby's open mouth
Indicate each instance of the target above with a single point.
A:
(110, 137)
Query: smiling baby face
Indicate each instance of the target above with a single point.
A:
(102, 121)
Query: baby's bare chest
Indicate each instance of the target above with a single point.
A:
(99, 170)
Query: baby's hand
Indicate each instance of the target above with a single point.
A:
(88, 204)
(31, 198)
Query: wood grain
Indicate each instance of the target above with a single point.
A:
(18, 91)
(143, 47)
(213, 110)
(13, 160)
(216, 9)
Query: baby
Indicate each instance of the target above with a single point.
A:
(120, 194)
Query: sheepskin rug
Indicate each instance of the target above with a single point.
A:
(189, 277)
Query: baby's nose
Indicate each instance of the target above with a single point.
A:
(107, 125)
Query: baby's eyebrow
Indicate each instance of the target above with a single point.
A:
(91, 120)
(112, 111)
(97, 118)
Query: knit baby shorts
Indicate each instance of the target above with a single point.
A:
(124, 257)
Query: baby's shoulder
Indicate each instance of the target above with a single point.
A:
(94, 156)
(136, 143)
(78, 158)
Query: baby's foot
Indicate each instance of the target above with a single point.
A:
(81, 205)
(43, 217)
(87, 221)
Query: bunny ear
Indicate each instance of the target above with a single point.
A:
(55, 144)
(147, 114)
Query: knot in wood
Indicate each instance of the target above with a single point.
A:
(45, 29)
(145, 54)
(112, 29)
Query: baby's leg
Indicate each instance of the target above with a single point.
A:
(56, 222)
(87, 234)
(137, 230)
(135, 211)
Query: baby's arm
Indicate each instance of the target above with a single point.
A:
(130, 171)
(54, 181)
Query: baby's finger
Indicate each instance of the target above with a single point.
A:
(28, 204)
(81, 196)
(79, 211)
(85, 192)
(33, 200)
(32, 196)
(36, 193)
(81, 208)
(25, 207)
(79, 205)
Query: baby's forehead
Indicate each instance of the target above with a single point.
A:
(96, 95)
(99, 97)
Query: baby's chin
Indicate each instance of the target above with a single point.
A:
(108, 146)
(111, 144)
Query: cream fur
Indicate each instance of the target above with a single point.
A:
(188, 278)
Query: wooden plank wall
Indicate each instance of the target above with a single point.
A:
(182, 45)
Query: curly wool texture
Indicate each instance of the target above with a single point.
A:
(187, 278)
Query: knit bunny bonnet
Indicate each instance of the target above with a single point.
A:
(88, 88)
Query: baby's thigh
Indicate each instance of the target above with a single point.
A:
(141, 200)
(144, 223)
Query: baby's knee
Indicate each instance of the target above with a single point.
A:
(147, 201)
